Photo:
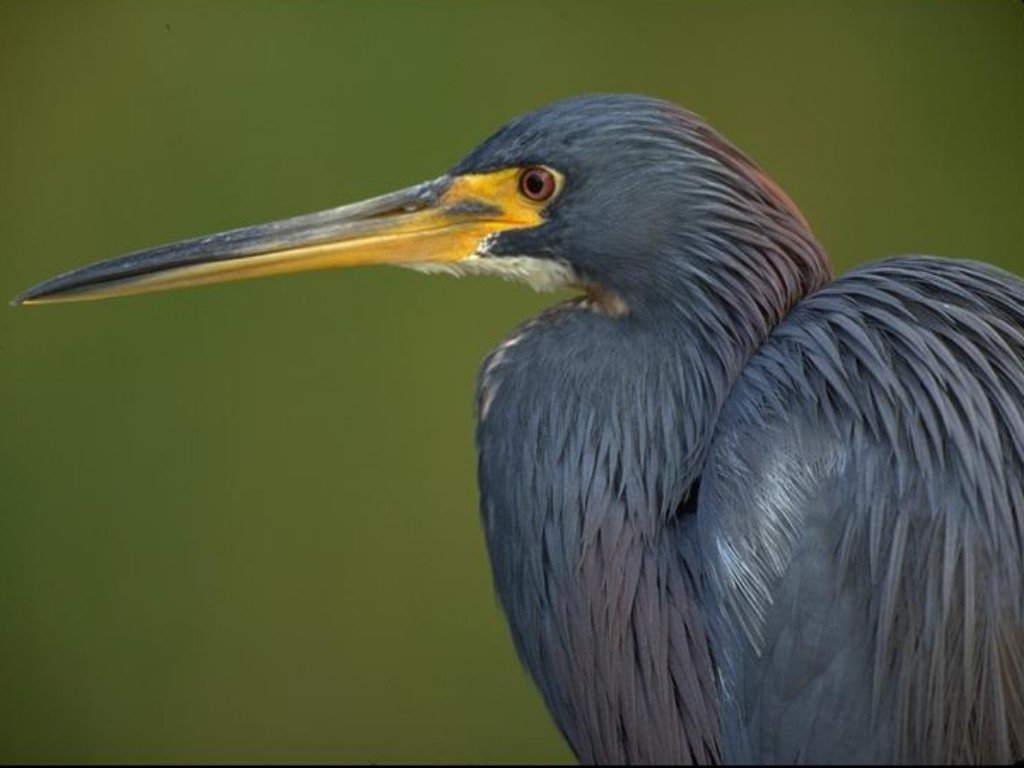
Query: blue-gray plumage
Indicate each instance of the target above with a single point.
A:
(861, 522)
(736, 510)
(855, 453)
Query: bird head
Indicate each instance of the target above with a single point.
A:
(627, 197)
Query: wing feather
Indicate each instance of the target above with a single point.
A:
(861, 515)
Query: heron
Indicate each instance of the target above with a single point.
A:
(737, 510)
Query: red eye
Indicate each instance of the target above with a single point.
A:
(537, 183)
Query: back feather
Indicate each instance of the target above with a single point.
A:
(861, 514)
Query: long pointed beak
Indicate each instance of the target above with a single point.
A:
(441, 221)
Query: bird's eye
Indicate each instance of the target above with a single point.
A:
(537, 183)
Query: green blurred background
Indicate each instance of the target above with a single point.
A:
(240, 523)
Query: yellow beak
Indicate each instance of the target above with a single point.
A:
(439, 222)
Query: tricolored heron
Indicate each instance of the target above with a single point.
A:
(735, 510)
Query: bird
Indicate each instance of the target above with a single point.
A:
(737, 509)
